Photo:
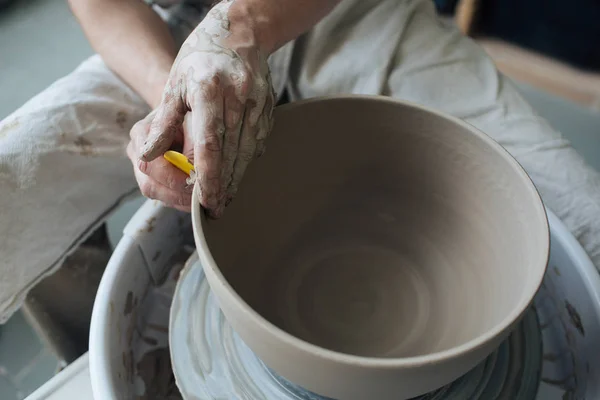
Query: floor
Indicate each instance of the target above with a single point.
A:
(41, 42)
(26, 361)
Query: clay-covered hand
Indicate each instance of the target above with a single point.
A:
(158, 179)
(221, 79)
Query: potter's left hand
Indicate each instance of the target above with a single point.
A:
(158, 179)
(221, 79)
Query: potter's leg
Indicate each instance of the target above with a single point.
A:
(401, 49)
(437, 66)
(62, 170)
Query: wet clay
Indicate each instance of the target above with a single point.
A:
(148, 364)
(376, 229)
(381, 252)
(155, 371)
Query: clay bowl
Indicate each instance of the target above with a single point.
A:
(378, 250)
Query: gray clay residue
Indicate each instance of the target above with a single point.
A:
(575, 318)
(155, 370)
(149, 366)
(128, 304)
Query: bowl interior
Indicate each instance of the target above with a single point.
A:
(380, 229)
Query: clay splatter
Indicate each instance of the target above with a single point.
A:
(128, 304)
(150, 224)
(156, 256)
(121, 119)
(84, 146)
(155, 371)
(82, 142)
(556, 271)
(131, 329)
(575, 318)
(128, 365)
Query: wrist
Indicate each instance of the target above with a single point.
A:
(158, 76)
(250, 23)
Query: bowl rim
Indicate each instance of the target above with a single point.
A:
(210, 266)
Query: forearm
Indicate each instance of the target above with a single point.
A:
(132, 40)
(276, 22)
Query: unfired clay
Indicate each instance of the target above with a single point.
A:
(378, 244)
(211, 362)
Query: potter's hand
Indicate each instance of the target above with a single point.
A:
(158, 179)
(221, 78)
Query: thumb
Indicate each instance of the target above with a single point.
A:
(164, 128)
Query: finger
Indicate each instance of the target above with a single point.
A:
(208, 127)
(154, 190)
(164, 128)
(261, 135)
(233, 114)
(164, 173)
(260, 93)
(140, 128)
(271, 99)
(246, 153)
(159, 169)
(265, 124)
(131, 154)
(188, 138)
(138, 135)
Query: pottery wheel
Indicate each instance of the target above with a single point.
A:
(221, 366)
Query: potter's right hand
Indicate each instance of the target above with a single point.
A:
(221, 81)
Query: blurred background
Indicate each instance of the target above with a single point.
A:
(550, 44)
(549, 48)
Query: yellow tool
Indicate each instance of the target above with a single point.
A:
(180, 161)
